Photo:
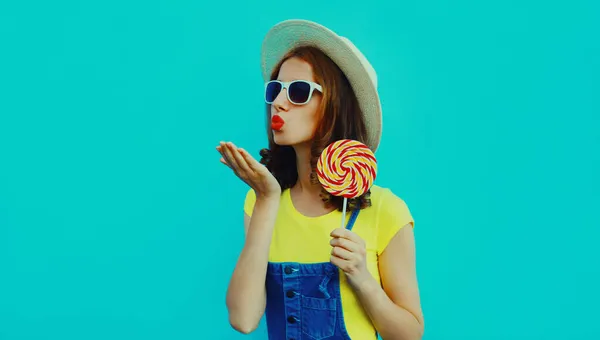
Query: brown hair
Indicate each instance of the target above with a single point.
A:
(340, 117)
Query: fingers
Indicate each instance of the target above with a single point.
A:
(227, 154)
(235, 159)
(222, 159)
(243, 160)
(347, 245)
(237, 156)
(346, 234)
(252, 163)
(339, 262)
(341, 253)
(221, 148)
(347, 255)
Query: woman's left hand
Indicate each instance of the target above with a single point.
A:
(349, 253)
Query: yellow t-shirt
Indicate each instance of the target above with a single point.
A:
(298, 238)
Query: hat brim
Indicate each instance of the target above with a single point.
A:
(294, 33)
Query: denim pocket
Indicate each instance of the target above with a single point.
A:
(318, 317)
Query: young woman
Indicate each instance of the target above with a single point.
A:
(310, 277)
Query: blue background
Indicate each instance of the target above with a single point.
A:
(117, 220)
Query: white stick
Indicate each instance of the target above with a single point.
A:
(344, 212)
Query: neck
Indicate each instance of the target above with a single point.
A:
(303, 157)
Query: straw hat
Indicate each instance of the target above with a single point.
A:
(290, 34)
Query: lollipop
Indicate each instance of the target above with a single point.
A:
(346, 168)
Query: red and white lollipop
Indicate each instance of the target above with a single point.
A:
(347, 168)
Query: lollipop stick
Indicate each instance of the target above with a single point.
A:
(344, 212)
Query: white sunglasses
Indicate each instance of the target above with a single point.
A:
(299, 92)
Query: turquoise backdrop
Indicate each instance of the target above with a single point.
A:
(117, 220)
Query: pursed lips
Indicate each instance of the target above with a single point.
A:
(277, 122)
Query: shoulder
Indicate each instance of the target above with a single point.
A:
(249, 201)
(385, 201)
(391, 214)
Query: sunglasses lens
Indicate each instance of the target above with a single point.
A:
(272, 91)
(299, 92)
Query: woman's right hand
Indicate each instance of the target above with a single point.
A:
(249, 170)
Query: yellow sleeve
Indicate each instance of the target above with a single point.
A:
(393, 215)
(249, 202)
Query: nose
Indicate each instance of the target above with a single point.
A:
(281, 102)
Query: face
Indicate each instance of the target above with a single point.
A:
(299, 121)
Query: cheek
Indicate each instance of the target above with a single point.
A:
(313, 118)
(303, 119)
(309, 121)
(303, 125)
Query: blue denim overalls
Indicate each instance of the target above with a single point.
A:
(303, 300)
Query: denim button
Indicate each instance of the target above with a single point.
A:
(288, 270)
(291, 319)
(290, 293)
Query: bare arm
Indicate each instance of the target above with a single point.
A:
(246, 296)
(395, 310)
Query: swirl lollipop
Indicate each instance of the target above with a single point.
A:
(346, 168)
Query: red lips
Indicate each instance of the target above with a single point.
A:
(277, 122)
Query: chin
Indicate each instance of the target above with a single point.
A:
(280, 139)
(284, 139)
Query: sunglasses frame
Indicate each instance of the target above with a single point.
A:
(286, 85)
